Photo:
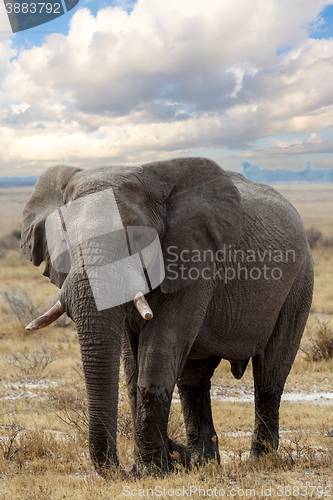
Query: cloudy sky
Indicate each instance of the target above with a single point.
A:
(119, 82)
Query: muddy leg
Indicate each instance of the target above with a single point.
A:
(194, 389)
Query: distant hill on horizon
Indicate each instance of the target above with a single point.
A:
(29, 180)
(283, 175)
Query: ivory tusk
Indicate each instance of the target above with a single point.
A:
(46, 319)
(142, 306)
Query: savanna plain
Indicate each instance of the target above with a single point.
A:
(43, 417)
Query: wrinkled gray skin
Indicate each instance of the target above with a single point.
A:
(193, 204)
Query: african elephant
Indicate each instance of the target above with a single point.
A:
(236, 284)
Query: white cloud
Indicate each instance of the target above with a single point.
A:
(323, 164)
(167, 78)
(315, 144)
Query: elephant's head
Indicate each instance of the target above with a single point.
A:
(102, 233)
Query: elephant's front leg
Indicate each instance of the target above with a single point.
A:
(150, 412)
(164, 344)
(194, 390)
(154, 450)
(151, 438)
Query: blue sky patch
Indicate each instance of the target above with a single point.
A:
(322, 27)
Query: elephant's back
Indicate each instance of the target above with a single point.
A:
(268, 217)
(257, 196)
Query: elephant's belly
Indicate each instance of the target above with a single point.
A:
(240, 318)
(231, 348)
(234, 337)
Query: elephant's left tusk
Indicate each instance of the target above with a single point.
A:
(46, 319)
(142, 306)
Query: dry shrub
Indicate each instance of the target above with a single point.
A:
(37, 444)
(313, 236)
(24, 309)
(176, 426)
(125, 423)
(21, 305)
(32, 364)
(296, 449)
(321, 347)
(71, 407)
(21, 444)
(316, 239)
(9, 440)
(9, 242)
(35, 451)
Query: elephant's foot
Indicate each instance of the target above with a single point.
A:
(113, 472)
(263, 445)
(204, 452)
(153, 469)
(105, 464)
(163, 462)
(179, 453)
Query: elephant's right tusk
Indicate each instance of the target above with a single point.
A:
(46, 319)
(142, 306)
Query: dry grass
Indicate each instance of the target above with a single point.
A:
(321, 347)
(12, 203)
(314, 203)
(43, 418)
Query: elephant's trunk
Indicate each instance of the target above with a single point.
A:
(100, 344)
(101, 357)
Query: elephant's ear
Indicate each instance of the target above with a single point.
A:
(203, 216)
(47, 196)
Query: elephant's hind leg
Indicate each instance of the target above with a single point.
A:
(194, 389)
(271, 368)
